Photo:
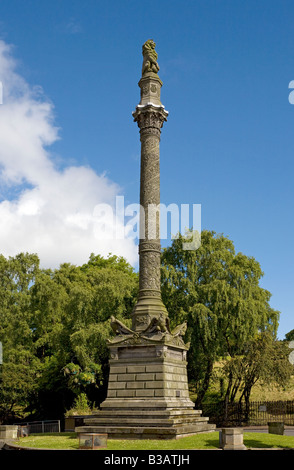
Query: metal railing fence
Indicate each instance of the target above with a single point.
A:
(258, 413)
(36, 427)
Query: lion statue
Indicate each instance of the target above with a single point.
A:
(149, 57)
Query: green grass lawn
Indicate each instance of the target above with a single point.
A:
(205, 441)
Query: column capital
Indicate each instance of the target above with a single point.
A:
(150, 116)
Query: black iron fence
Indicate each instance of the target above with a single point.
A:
(258, 413)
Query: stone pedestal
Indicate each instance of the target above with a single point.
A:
(231, 439)
(8, 431)
(148, 394)
(276, 427)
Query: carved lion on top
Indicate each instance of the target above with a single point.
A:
(149, 57)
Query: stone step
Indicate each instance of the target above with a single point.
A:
(139, 415)
(160, 404)
(146, 412)
(142, 432)
(106, 421)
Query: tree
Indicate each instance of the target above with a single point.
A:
(18, 380)
(50, 319)
(72, 307)
(217, 292)
(20, 367)
(289, 336)
(265, 360)
(16, 275)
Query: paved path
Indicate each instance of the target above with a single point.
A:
(288, 430)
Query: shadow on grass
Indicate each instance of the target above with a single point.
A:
(268, 441)
(257, 444)
(211, 443)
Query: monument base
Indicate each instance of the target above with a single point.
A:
(148, 396)
(147, 424)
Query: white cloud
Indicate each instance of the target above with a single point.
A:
(52, 214)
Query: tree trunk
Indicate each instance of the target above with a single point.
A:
(205, 384)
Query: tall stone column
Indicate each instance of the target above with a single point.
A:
(150, 115)
(148, 393)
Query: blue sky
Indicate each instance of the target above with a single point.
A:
(70, 71)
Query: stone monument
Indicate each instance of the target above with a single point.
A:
(148, 394)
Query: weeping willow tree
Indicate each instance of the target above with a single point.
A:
(217, 292)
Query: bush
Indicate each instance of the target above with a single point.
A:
(81, 406)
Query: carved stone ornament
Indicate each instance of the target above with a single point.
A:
(143, 320)
(114, 354)
(119, 328)
(150, 119)
(160, 324)
(157, 331)
(180, 330)
(149, 246)
(149, 57)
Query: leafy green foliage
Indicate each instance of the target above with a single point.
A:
(54, 323)
(50, 319)
(81, 406)
(289, 336)
(264, 359)
(217, 292)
